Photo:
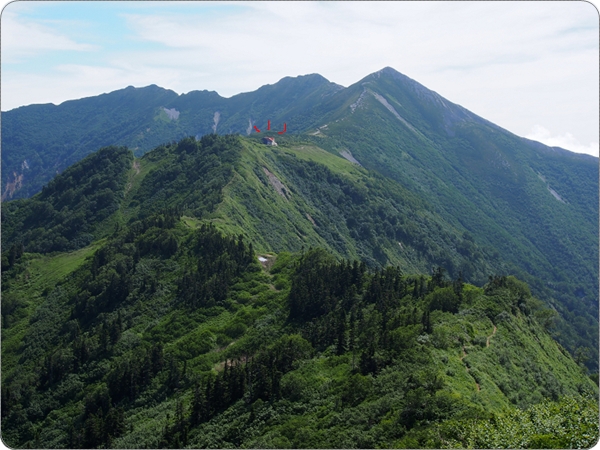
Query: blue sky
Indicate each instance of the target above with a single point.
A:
(530, 67)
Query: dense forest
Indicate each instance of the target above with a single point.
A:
(168, 336)
(180, 319)
(64, 215)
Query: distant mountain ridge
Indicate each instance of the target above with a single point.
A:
(39, 141)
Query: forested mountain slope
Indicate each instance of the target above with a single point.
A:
(283, 198)
(64, 216)
(536, 206)
(289, 198)
(152, 323)
(168, 334)
(528, 209)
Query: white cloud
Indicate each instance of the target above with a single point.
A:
(566, 141)
(25, 38)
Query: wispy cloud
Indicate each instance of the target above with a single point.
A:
(22, 38)
(566, 141)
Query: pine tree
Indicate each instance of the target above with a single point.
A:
(458, 286)
(341, 333)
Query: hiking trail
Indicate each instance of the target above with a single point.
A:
(464, 353)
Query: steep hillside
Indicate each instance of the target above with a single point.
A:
(297, 196)
(283, 198)
(39, 141)
(536, 206)
(517, 206)
(67, 213)
(152, 323)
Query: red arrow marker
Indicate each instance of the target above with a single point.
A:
(268, 125)
(284, 129)
(257, 130)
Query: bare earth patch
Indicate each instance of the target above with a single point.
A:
(276, 183)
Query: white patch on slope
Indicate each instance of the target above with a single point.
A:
(346, 154)
(555, 194)
(358, 101)
(249, 129)
(552, 191)
(276, 183)
(172, 113)
(216, 121)
(391, 109)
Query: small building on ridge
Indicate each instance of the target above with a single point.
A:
(269, 141)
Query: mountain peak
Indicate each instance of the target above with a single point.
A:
(387, 70)
(310, 79)
(390, 72)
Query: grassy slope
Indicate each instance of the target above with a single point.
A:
(480, 178)
(499, 376)
(40, 274)
(253, 205)
(308, 216)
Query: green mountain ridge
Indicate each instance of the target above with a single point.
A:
(164, 332)
(536, 206)
(297, 195)
(39, 141)
(281, 198)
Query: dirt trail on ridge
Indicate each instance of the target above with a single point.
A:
(487, 343)
(464, 353)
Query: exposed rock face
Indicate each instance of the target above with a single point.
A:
(172, 113)
(277, 184)
(216, 118)
(358, 101)
(12, 185)
(391, 109)
(347, 155)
